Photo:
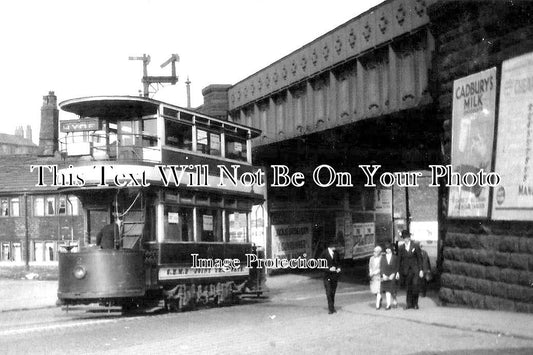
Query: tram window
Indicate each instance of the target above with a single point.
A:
(78, 137)
(178, 135)
(128, 132)
(149, 131)
(185, 116)
(216, 201)
(235, 148)
(202, 199)
(237, 224)
(208, 142)
(186, 197)
(150, 127)
(210, 225)
(230, 203)
(170, 112)
(178, 223)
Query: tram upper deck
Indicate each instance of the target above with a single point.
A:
(135, 131)
(140, 129)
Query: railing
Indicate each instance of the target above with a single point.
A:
(100, 146)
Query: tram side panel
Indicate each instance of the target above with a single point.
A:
(101, 274)
(176, 263)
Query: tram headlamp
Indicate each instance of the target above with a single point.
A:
(79, 272)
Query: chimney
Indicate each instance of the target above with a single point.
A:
(49, 134)
(28, 134)
(19, 131)
(216, 102)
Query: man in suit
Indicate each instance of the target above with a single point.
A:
(410, 268)
(109, 235)
(331, 274)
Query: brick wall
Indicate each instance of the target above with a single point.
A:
(216, 102)
(45, 228)
(486, 264)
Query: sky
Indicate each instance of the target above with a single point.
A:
(81, 48)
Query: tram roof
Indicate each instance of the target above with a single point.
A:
(128, 106)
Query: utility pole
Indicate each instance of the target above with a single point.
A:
(188, 84)
(148, 80)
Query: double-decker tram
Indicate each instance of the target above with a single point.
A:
(181, 185)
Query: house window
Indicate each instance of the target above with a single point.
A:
(38, 206)
(9, 207)
(15, 207)
(73, 206)
(6, 255)
(17, 252)
(49, 251)
(50, 206)
(38, 251)
(62, 208)
(55, 205)
(4, 207)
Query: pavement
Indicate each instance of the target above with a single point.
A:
(17, 295)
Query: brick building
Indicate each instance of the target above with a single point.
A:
(18, 144)
(36, 221)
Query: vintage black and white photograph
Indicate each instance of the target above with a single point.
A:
(275, 177)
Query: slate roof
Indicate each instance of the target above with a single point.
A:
(16, 177)
(15, 140)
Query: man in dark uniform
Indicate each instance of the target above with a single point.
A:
(331, 274)
(109, 235)
(410, 268)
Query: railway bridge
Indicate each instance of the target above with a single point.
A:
(360, 94)
(377, 90)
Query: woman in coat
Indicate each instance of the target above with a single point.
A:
(389, 269)
(375, 275)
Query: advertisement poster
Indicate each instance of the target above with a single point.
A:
(513, 198)
(363, 239)
(207, 222)
(174, 217)
(383, 201)
(474, 100)
(344, 235)
(291, 240)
